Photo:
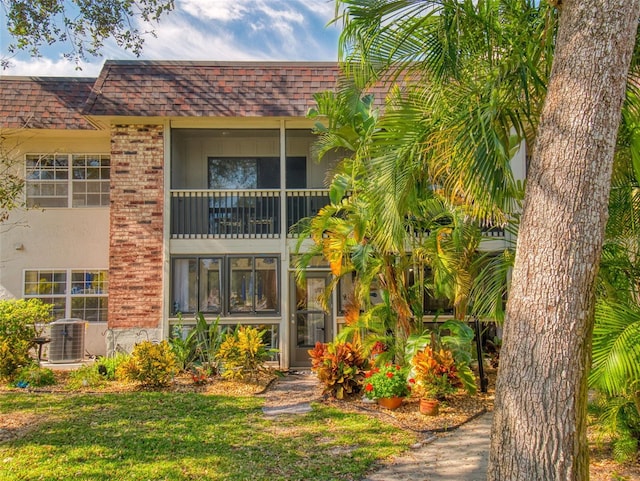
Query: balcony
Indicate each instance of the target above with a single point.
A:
(241, 214)
(250, 214)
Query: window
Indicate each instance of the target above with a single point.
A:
(67, 180)
(197, 285)
(253, 284)
(48, 286)
(225, 285)
(81, 294)
(242, 173)
(90, 185)
(431, 305)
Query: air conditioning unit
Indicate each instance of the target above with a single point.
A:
(67, 340)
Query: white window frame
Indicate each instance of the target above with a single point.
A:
(74, 186)
(69, 290)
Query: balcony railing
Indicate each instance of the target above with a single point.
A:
(249, 214)
(302, 204)
(225, 214)
(240, 214)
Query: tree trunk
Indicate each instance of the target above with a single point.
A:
(539, 430)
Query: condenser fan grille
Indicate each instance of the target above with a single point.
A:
(67, 340)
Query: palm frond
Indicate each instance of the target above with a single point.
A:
(616, 347)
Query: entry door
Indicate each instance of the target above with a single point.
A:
(309, 323)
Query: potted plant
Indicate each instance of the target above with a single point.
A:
(388, 385)
(436, 376)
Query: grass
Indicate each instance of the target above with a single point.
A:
(187, 436)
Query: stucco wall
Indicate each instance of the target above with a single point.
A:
(54, 238)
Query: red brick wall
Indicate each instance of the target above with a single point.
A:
(136, 230)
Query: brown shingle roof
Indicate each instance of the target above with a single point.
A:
(167, 89)
(208, 89)
(44, 102)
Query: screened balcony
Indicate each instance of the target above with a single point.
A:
(237, 184)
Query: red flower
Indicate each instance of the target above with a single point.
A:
(368, 387)
(397, 367)
(368, 374)
(389, 375)
(412, 381)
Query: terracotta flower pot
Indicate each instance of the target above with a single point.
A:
(390, 402)
(429, 407)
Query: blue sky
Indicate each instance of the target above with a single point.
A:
(223, 30)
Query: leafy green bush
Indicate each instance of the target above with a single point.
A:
(340, 367)
(442, 354)
(18, 320)
(13, 355)
(243, 353)
(85, 377)
(96, 375)
(152, 365)
(108, 366)
(387, 381)
(199, 347)
(34, 376)
(184, 348)
(209, 338)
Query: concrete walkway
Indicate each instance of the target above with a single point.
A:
(292, 394)
(459, 455)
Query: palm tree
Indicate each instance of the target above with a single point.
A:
(342, 230)
(430, 230)
(480, 85)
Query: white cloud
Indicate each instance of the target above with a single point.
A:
(37, 67)
(324, 9)
(287, 14)
(178, 40)
(223, 10)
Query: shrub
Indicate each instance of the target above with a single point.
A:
(18, 321)
(209, 338)
(440, 361)
(13, 355)
(435, 373)
(199, 346)
(34, 376)
(387, 381)
(152, 365)
(340, 367)
(616, 374)
(184, 348)
(243, 353)
(85, 377)
(107, 367)
(618, 420)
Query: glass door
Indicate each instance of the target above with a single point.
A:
(309, 323)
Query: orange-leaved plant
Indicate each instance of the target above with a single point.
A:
(340, 367)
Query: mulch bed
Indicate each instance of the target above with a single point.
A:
(455, 411)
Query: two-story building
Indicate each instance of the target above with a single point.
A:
(162, 188)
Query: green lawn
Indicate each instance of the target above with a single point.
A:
(180, 436)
